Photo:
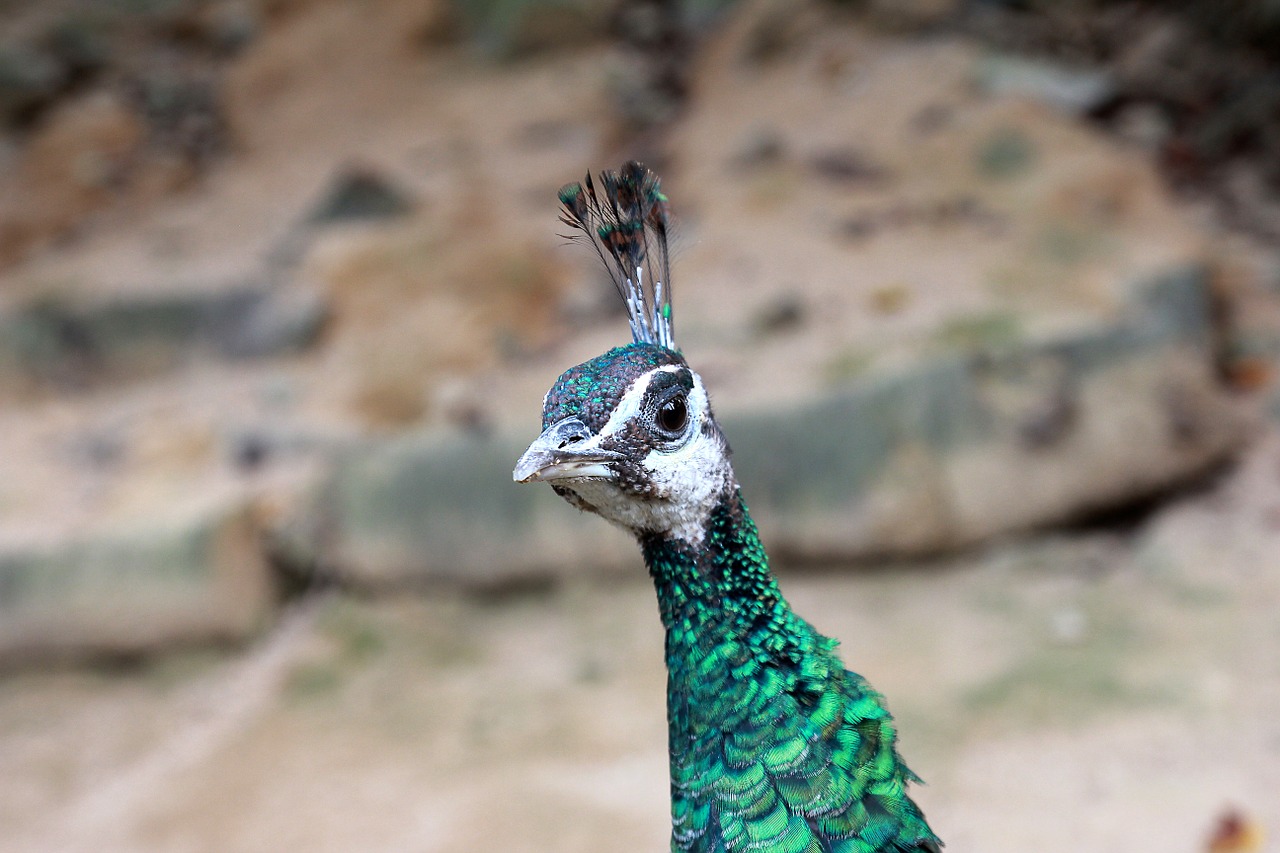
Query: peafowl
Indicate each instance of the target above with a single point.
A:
(774, 745)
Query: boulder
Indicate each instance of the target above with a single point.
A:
(1075, 91)
(69, 341)
(970, 445)
(442, 509)
(361, 193)
(182, 575)
(964, 445)
(29, 79)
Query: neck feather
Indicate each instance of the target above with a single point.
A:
(728, 628)
(723, 581)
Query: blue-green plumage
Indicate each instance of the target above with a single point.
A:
(774, 745)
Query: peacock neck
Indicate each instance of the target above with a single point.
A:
(722, 583)
(727, 625)
(773, 745)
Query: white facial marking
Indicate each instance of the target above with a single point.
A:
(688, 479)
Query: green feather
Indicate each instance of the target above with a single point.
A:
(774, 745)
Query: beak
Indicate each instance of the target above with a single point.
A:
(564, 451)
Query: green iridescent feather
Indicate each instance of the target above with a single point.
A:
(774, 745)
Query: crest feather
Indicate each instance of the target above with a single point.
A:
(626, 224)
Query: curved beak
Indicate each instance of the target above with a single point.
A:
(566, 450)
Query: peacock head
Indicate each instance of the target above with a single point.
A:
(629, 435)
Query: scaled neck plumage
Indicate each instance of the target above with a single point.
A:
(725, 572)
(725, 617)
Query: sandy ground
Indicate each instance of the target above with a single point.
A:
(1098, 692)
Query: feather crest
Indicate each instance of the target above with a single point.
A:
(626, 224)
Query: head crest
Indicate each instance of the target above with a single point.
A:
(626, 224)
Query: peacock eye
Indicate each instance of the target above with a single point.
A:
(673, 415)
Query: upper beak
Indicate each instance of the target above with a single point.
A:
(564, 451)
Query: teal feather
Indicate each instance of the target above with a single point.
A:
(773, 744)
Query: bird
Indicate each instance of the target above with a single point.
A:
(774, 745)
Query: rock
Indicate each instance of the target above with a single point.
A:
(74, 160)
(196, 574)
(29, 79)
(1005, 153)
(786, 313)
(937, 457)
(184, 113)
(443, 510)
(991, 436)
(281, 322)
(1073, 91)
(74, 342)
(848, 166)
(361, 193)
(762, 146)
(79, 44)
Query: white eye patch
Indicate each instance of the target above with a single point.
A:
(689, 479)
(632, 402)
(686, 480)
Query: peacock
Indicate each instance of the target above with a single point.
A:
(774, 745)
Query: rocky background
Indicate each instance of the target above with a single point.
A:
(988, 294)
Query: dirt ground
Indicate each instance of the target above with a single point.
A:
(1100, 691)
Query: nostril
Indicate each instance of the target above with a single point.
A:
(570, 432)
(570, 440)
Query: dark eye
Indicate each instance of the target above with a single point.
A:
(673, 415)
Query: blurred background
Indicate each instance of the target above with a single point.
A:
(987, 292)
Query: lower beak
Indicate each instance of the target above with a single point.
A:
(564, 451)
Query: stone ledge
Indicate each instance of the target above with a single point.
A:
(65, 341)
(961, 447)
(195, 576)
